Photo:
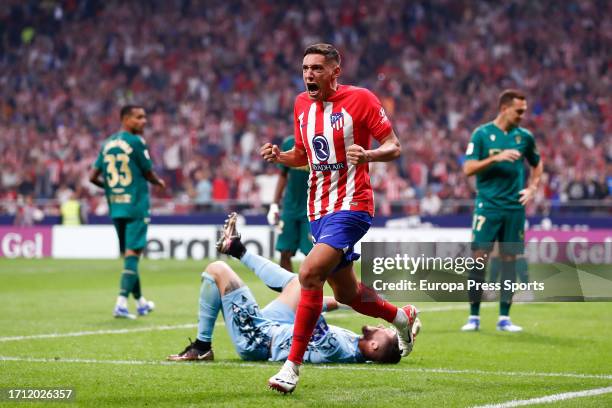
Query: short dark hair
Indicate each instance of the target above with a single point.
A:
(327, 50)
(508, 95)
(127, 110)
(391, 354)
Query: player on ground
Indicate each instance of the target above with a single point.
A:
(333, 126)
(267, 334)
(495, 155)
(293, 221)
(125, 167)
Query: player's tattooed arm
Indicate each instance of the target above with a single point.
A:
(94, 178)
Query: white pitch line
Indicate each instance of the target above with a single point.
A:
(175, 327)
(96, 332)
(550, 398)
(311, 366)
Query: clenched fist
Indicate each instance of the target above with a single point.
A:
(356, 154)
(270, 152)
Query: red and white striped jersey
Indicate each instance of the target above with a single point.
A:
(325, 130)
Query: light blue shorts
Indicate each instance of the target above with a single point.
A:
(249, 327)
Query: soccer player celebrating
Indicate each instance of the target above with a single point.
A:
(333, 126)
(125, 166)
(495, 155)
(291, 217)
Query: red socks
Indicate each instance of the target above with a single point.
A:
(368, 302)
(306, 317)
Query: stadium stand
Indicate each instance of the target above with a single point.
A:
(218, 79)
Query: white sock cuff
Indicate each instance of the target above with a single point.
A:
(122, 301)
(292, 365)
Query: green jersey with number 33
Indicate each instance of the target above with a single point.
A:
(123, 161)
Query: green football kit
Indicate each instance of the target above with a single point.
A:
(123, 161)
(498, 214)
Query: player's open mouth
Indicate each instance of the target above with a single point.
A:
(313, 88)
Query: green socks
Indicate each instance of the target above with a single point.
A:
(130, 282)
(475, 309)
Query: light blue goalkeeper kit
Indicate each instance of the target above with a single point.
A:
(266, 334)
(329, 344)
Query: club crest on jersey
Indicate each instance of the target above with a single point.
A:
(321, 148)
(517, 139)
(337, 120)
(492, 138)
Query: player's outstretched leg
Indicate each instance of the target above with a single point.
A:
(209, 306)
(274, 276)
(366, 301)
(229, 243)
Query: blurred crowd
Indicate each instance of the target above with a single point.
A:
(218, 79)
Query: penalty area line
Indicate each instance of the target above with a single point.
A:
(310, 367)
(550, 398)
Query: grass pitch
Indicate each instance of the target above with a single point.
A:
(56, 330)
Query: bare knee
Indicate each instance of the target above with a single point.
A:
(226, 279)
(217, 269)
(312, 277)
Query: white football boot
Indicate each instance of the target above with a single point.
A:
(473, 324)
(405, 330)
(286, 379)
(505, 324)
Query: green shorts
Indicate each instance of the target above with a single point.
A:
(295, 235)
(132, 233)
(504, 226)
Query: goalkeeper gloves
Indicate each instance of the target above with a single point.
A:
(273, 214)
